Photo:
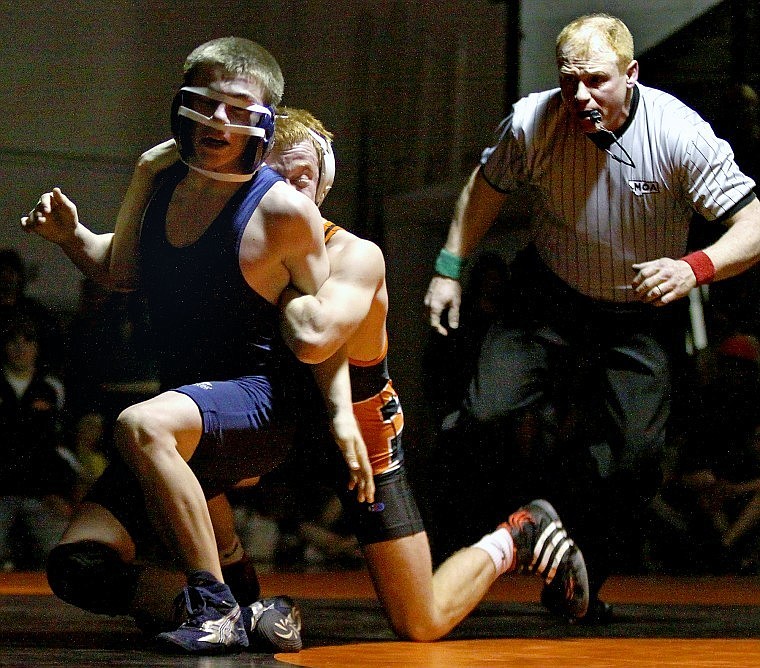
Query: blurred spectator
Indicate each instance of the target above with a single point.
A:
(38, 475)
(14, 301)
(300, 521)
(109, 365)
(712, 495)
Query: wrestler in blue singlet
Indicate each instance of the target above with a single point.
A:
(217, 342)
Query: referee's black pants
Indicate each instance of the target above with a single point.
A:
(593, 381)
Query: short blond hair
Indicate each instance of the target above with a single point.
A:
(292, 126)
(584, 36)
(240, 57)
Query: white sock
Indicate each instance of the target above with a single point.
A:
(234, 554)
(500, 547)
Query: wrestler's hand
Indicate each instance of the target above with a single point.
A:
(663, 281)
(347, 435)
(443, 293)
(54, 218)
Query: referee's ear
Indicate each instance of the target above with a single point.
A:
(632, 73)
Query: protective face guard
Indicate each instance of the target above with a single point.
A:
(198, 105)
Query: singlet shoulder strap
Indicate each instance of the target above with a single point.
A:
(330, 229)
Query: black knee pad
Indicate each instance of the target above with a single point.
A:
(92, 576)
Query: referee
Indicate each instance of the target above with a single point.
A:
(613, 171)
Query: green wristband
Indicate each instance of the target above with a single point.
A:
(449, 265)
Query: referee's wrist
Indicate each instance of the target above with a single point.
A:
(449, 265)
(701, 265)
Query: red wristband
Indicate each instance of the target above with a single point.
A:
(701, 265)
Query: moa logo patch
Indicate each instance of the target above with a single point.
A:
(644, 187)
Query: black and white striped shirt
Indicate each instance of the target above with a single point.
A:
(594, 215)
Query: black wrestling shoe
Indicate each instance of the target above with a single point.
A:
(543, 547)
(273, 625)
(243, 581)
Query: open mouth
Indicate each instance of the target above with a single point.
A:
(213, 142)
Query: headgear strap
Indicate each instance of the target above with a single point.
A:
(326, 166)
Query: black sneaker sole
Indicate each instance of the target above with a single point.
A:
(274, 633)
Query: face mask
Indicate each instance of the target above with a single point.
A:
(198, 105)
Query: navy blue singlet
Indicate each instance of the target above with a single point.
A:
(209, 324)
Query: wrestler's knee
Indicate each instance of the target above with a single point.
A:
(138, 429)
(92, 576)
(416, 628)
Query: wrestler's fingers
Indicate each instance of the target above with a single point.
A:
(59, 198)
(366, 480)
(44, 203)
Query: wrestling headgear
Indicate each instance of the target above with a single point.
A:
(198, 105)
(326, 166)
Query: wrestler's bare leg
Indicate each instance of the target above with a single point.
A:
(156, 438)
(421, 605)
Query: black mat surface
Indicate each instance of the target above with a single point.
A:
(43, 631)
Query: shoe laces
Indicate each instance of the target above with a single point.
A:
(519, 518)
(195, 601)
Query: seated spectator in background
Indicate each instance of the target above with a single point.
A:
(14, 300)
(99, 383)
(713, 494)
(38, 474)
(88, 440)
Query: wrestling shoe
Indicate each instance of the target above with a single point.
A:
(599, 613)
(214, 624)
(543, 547)
(243, 581)
(273, 625)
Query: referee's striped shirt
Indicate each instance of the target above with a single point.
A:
(598, 212)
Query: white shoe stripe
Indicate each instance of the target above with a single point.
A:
(546, 535)
(222, 630)
(564, 547)
(556, 539)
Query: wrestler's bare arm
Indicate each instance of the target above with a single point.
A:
(318, 328)
(108, 258)
(315, 327)
(56, 219)
(123, 266)
(283, 245)
(334, 382)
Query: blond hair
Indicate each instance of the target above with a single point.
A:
(240, 57)
(292, 127)
(584, 37)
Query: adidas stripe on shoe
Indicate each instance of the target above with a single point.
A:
(543, 547)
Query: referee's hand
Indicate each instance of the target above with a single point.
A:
(662, 281)
(443, 293)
